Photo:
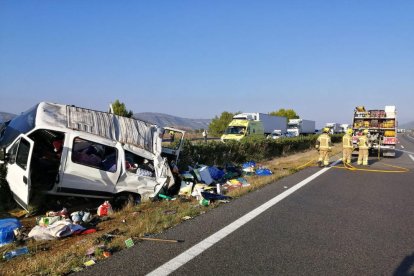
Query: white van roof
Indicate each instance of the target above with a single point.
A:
(107, 125)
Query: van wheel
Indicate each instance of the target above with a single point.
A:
(124, 199)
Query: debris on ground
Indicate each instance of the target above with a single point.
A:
(105, 209)
(8, 228)
(204, 184)
(14, 253)
(129, 243)
(159, 240)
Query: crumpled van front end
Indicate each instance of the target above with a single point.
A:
(145, 182)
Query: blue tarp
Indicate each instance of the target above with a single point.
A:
(263, 172)
(215, 173)
(6, 230)
(249, 164)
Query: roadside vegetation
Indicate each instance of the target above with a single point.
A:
(66, 255)
(237, 152)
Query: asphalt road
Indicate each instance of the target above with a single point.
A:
(340, 223)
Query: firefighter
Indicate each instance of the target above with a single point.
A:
(324, 145)
(363, 146)
(347, 147)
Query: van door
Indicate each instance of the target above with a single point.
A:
(18, 169)
(92, 168)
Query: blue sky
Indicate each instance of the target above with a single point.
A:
(196, 59)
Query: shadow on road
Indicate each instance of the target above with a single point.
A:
(398, 153)
(406, 268)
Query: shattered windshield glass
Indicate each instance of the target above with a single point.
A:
(20, 124)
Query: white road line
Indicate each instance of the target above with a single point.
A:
(402, 146)
(199, 248)
(412, 157)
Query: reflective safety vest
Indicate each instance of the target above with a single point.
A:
(347, 141)
(363, 142)
(324, 141)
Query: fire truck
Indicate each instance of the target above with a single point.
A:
(382, 128)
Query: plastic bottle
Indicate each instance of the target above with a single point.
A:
(14, 253)
(204, 202)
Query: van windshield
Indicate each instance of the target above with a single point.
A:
(20, 124)
(236, 130)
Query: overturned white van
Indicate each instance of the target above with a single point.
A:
(67, 150)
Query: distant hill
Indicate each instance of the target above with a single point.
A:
(409, 125)
(4, 116)
(163, 120)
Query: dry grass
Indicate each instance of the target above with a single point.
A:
(59, 257)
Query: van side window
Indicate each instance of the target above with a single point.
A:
(139, 165)
(23, 154)
(94, 155)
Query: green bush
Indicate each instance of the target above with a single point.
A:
(257, 149)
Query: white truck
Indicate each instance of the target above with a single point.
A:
(270, 122)
(298, 127)
(334, 128)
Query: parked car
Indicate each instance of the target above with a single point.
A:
(278, 134)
